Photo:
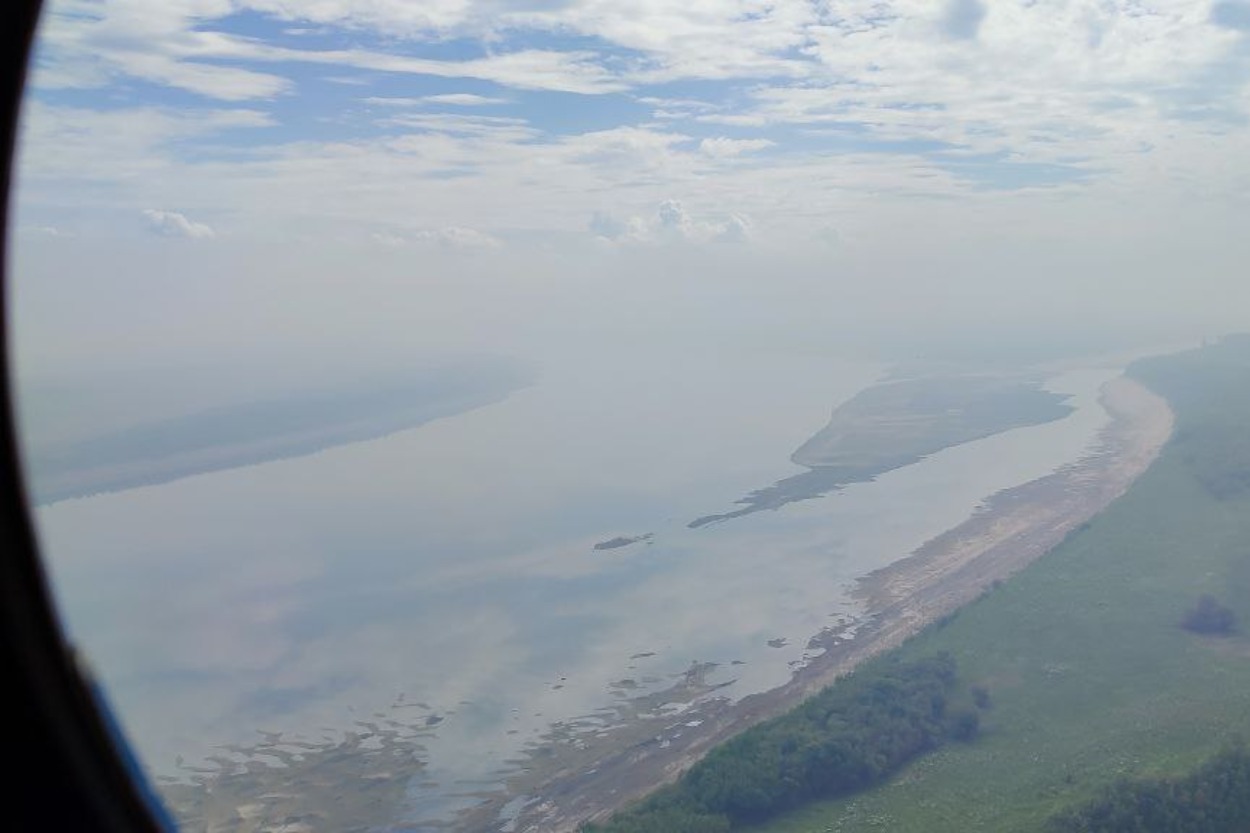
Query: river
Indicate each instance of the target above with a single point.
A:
(453, 565)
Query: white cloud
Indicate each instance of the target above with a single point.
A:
(500, 127)
(886, 128)
(673, 219)
(173, 224)
(175, 44)
(602, 224)
(678, 108)
(876, 105)
(453, 238)
(721, 147)
(534, 69)
(606, 226)
(87, 45)
(389, 240)
(46, 231)
(711, 39)
(220, 82)
(70, 145)
(737, 229)
(395, 17)
(671, 223)
(171, 46)
(463, 99)
(390, 101)
(961, 54)
(451, 99)
(460, 238)
(735, 119)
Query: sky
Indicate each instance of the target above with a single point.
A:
(256, 182)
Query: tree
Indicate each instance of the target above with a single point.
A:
(965, 725)
(1209, 617)
(847, 737)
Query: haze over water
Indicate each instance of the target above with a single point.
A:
(453, 565)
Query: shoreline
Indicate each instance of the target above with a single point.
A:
(601, 773)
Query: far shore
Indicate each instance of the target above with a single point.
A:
(1010, 530)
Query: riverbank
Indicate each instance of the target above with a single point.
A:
(606, 770)
(1092, 678)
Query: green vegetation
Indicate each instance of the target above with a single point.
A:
(1214, 799)
(849, 736)
(897, 423)
(1210, 617)
(1093, 682)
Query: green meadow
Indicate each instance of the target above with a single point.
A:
(1091, 677)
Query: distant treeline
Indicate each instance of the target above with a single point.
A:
(850, 736)
(1213, 799)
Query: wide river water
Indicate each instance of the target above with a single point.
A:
(452, 565)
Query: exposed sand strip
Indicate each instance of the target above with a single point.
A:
(1020, 524)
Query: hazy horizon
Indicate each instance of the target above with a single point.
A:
(270, 187)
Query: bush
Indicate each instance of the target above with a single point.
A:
(965, 725)
(1213, 799)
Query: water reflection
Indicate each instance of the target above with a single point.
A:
(452, 568)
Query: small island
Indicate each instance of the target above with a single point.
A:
(895, 424)
(623, 541)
